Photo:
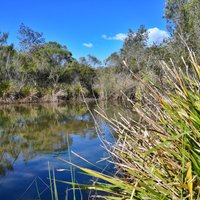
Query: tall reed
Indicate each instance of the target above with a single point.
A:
(158, 158)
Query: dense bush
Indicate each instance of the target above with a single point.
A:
(6, 87)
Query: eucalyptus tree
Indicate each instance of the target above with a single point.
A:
(29, 39)
(52, 59)
(3, 38)
(7, 53)
(29, 42)
(115, 61)
(93, 61)
(183, 17)
(134, 48)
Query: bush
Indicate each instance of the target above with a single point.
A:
(109, 85)
(75, 91)
(27, 91)
(6, 87)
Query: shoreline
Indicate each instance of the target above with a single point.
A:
(43, 101)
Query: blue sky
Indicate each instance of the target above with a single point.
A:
(95, 27)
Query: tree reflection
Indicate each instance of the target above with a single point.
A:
(28, 131)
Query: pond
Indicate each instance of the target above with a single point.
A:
(31, 136)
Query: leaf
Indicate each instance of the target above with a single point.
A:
(188, 179)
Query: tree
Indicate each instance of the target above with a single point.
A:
(6, 54)
(135, 40)
(53, 54)
(50, 61)
(183, 18)
(93, 60)
(29, 39)
(114, 59)
(3, 38)
(134, 48)
(83, 60)
(174, 13)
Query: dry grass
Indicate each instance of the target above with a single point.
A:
(158, 158)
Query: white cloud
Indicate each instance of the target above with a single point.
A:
(88, 45)
(119, 36)
(156, 35)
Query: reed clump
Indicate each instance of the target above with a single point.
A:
(158, 157)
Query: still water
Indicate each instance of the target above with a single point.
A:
(31, 136)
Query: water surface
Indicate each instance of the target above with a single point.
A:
(33, 135)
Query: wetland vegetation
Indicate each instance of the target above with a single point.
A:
(153, 156)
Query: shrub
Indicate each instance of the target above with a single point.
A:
(109, 85)
(75, 90)
(27, 91)
(6, 87)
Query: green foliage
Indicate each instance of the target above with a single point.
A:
(134, 47)
(76, 72)
(40, 69)
(75, 91)
(5, 88)
(43, 91)
(51, 55)
(27, 91)
(184, 24)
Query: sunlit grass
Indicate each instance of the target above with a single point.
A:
(158, 158)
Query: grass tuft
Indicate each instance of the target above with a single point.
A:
(158, 157)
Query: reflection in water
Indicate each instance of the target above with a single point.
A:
(28, 131)
(33, 135)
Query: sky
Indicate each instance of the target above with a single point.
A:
(96, 27)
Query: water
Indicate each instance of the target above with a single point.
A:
(33, 135)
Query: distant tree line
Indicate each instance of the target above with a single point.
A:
(42, 70)
(47, 71)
